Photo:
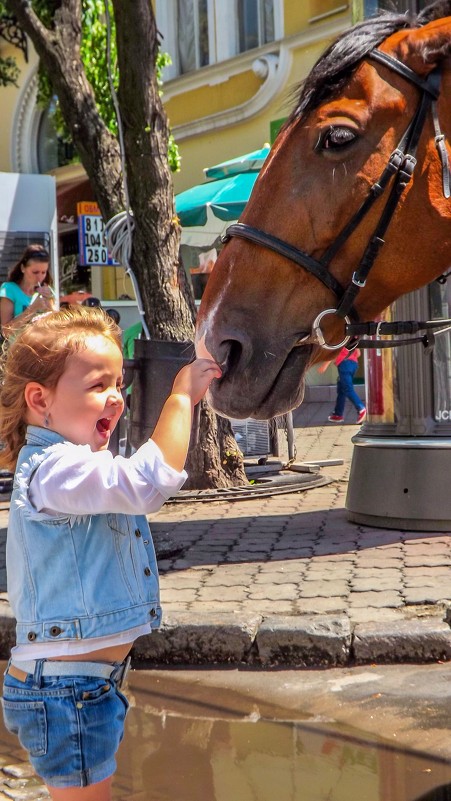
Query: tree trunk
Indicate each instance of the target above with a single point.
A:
(167, 297)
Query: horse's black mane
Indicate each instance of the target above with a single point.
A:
(334, 68)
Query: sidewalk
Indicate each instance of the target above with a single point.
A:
(287, 580)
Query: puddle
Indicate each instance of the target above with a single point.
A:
(190, 742)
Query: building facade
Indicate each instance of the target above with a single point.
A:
(234, 66)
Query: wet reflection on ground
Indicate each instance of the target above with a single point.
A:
(192, 742)
(212, 744)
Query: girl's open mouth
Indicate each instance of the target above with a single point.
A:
(103, 426)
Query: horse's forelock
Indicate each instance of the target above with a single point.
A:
(334, 68)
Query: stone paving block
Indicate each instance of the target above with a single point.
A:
(368, 572)
(220, 594)
(304, 641)
(286, 607)
(376, 584)
(416, 582)
(432, 560)
(427, 595)
(318, 569)
(374, 615)
(332, 605)
(402, 641)
(378, 599)
(438, 571)
(274, 592)
(377, 561)
(324, 589)
(291, 577)
(182, 595)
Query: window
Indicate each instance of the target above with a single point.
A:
(193, 38)
(255, 23)
(52, 150)
(197, 33)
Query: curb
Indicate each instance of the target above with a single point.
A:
(315, 641)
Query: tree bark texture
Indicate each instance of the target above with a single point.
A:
(166, 295)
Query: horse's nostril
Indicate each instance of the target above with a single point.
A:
(231, 354)
(235, 354)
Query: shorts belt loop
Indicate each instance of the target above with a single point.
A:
(37, 675)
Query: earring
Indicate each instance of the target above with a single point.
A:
(46, 420)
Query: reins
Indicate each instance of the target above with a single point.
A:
(399, 170)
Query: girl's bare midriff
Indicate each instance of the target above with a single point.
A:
(116, 653)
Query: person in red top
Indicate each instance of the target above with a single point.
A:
(347, 363)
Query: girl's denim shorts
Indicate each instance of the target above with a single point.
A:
(71, 726)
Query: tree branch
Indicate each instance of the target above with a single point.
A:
(29, 20)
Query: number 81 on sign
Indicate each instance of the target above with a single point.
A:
(92, 241)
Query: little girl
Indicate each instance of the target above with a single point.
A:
(82, 575)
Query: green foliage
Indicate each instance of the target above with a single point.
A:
(95, 60)
(9, 71)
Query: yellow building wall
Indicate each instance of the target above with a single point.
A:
(9, 98)
(216, 145)
(233, 92)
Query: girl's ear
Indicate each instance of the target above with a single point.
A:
(421, 48)
(36, 398)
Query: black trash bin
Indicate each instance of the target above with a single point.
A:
(155, 365)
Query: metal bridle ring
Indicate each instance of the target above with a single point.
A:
(318, 334)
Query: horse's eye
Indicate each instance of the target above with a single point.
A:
(337, 137)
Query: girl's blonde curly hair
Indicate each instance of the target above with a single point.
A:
(39, 354)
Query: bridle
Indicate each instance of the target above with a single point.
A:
(400, 168)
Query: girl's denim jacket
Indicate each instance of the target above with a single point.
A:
(75, 577)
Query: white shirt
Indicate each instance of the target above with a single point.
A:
(74, 480)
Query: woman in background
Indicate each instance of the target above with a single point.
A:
(27, 291)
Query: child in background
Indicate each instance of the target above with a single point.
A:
(346, 363)
(82, 575)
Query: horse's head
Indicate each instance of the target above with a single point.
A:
(316, 193)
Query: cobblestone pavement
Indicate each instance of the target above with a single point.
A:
(277, 572)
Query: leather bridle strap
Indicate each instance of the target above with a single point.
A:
(402, 69)
(404, 175)
(400, 166)
(284, 249)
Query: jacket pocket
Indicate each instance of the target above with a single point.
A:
(27, 720)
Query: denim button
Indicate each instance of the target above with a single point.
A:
(31, 635)
(153, 613)
(147, 571)
(137, 532)
(55, 631)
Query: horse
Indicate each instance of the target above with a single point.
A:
(350, 211)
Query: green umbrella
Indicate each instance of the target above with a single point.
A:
(224, 198)
(247, 163)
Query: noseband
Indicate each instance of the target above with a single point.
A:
(400, 167)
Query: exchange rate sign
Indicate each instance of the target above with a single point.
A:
(91, 236)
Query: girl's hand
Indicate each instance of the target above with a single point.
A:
(195, 378)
